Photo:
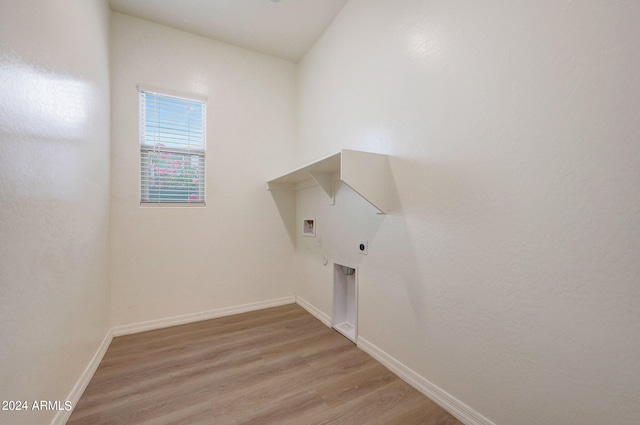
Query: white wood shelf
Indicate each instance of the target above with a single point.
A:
(365, 172)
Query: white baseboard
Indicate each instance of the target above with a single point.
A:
(196, 317)
(464, 413)
(63, 416)
(461, 411)
(314, 311)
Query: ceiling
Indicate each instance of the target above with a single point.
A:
(282, 28)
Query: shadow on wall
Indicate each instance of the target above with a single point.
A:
(430, 190)
(448, 232)
(353, 216)
(428, 203)
(394, 261)
(285, 201)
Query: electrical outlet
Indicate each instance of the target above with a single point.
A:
(363, 247)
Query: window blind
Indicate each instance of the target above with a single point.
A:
(172, 148)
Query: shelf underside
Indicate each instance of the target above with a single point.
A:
(364, 172)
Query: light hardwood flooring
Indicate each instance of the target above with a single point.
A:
(274, 366)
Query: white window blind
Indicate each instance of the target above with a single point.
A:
(172, 148)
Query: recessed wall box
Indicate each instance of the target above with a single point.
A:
(345, 301)
(309, 227)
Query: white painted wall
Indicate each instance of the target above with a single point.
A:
(168, 262)
(54, 198)
(507, 272)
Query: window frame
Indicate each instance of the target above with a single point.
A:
(146, 150)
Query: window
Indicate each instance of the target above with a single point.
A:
(172, 148)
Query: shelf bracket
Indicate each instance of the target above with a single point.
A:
(324, 181)
(366, 173)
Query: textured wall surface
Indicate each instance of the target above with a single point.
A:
(173, 261)
(54, 198)
(507, 272)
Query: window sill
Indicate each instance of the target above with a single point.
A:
(173, 204)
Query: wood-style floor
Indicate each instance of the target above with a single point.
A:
(274, 366)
